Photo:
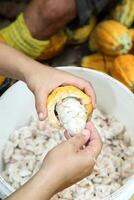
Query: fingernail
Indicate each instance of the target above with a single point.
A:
(41, 116)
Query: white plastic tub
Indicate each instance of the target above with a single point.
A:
(17, 105)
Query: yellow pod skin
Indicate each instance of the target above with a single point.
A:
(57, 44)
(61, 93)
(92, 44)
(124, 12)
(131, 33)
(2, 79)
(94, 61)
(98, 61)
(81, 34)
(123, 70)
(112, 38)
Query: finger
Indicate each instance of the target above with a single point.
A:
(40, 103)
(67, 135)
(94, 146)
(84, 86)
(88, 89)
(79, 140)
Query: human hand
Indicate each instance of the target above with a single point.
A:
(41, 80)
(69, 162)
(63, 166)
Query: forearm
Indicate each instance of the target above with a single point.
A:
(39, 187)
(14, 64)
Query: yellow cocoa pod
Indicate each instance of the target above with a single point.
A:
(124, 12)
(2, 79)
(81, 34)
(57, 44)
(94, 61)
(112, 38)
(60, 94)
(123, 70)
(93, 46)
(98, 62)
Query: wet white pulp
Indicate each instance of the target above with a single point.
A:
(72, 115)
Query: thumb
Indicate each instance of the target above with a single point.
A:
(94, 146)
(80, 140)
(40, 103)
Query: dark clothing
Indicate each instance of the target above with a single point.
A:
(86, 8)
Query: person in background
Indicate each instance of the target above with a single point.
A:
(45, 17)
(32, 30)
(16, 65)
(68, 162)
